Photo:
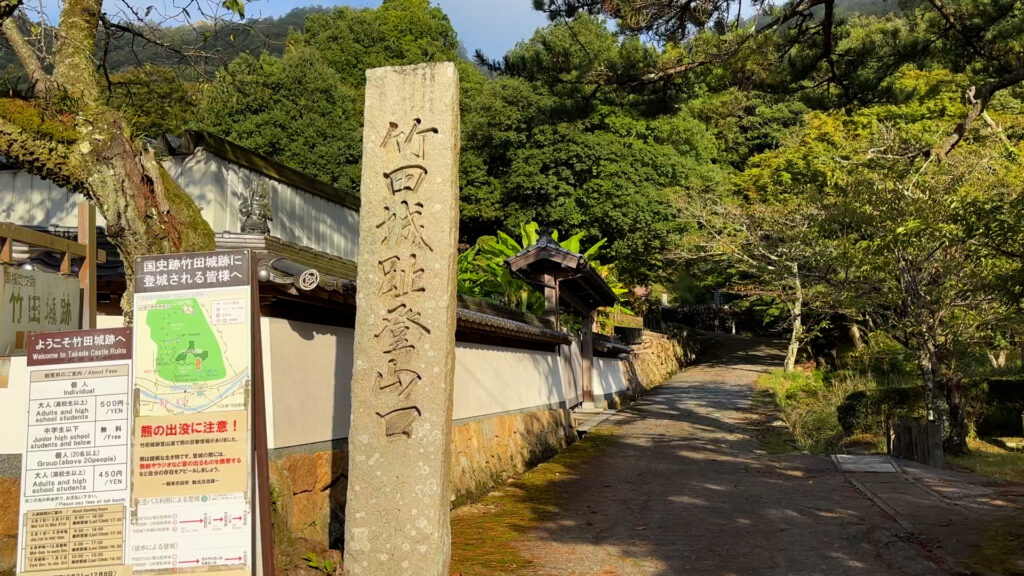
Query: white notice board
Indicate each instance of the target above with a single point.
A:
(76, 468)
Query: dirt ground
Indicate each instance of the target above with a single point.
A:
(679, 485)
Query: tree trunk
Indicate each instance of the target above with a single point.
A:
(934, 403)
(70, 137)
(956, 443)
(927, 362)
(858, 342)
(796, 314)
(999, 361)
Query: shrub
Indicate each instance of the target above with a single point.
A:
(995, 405)
(809, 404)
(884, 358)
(866, 410)
(854, 413)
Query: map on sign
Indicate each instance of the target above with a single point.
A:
(192, 354)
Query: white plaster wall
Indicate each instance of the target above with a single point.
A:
(572, 373)
(217, 186)
(14, 408)
(608, 376)
(491, 379)
(310, 371)
(29, 200)
(109, 321)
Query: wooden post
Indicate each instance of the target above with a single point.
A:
(587, 352)
(261, 446)
(87, 272)
(7, 252)
(550, 300)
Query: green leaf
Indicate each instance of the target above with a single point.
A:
(591, 252)
(236, 6)
(572, 243)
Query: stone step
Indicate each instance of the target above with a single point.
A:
(587, 421)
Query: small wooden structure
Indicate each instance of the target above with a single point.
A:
(85, 248)
(916, 439)
(566, 276)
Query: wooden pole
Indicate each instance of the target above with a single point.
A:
(587, 351)
(7, 257)
(260, 444)
(87, 272)
(550, 300)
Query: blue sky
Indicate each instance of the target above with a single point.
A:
(493, 26)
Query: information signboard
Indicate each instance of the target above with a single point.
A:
(192, 483)
(35, 301)
(73, 518)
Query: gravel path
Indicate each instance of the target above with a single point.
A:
(683, 490)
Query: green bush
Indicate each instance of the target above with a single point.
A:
(865, 411)
(995, 405)
(855, 413)
(885, 359)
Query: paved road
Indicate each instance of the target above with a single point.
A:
(683, 490)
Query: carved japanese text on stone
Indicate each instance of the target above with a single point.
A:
(400, 432)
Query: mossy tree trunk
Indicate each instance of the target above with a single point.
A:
(68, 135)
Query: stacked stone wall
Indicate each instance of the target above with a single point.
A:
(658, 356)
(308, 487)
(488, 451)
(9, 503)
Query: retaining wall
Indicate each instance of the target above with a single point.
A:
(659, 356)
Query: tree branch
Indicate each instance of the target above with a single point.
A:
(41, 81)
(45, 158)
(73, 65)
(132, 31)
(793, 11)
(828, 44)
(976, 107)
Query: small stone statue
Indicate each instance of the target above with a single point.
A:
(255, 210)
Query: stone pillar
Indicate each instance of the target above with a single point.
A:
(397, 513)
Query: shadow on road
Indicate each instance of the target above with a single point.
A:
(683, 490)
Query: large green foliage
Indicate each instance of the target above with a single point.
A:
(352, 40)
(483, 272)
(295, 109)
(551, 141)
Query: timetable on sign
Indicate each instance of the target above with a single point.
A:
(77, 466)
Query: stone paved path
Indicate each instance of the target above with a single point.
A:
(683, 490)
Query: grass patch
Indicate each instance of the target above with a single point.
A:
(808, 402)
(483, 532)
(1001, 552)
(990, 459)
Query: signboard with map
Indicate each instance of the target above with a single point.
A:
(75, 474)
(191, 480)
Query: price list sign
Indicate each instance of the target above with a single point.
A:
(76, 470)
